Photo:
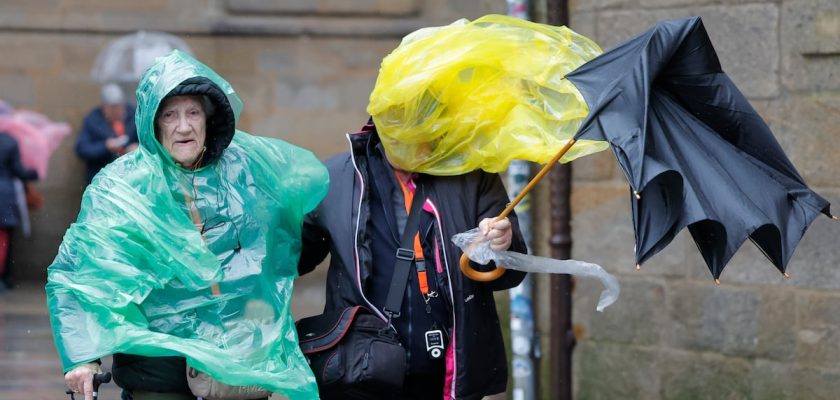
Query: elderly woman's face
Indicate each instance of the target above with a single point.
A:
(182, 129)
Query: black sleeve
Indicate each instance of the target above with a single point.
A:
(316, 244)
(89, 147)
(492, 200)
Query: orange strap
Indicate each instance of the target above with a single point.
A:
(408, 198)
(119, 128)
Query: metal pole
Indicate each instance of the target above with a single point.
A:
(562, 339)
(522, 334)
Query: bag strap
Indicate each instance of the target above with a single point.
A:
(405, 257)
(321, 332)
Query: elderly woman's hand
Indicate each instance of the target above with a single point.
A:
(80, 379)
(499, 233)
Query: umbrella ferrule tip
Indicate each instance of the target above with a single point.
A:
(717, 281)
(787, 275)
(638, 196)
(638, 267)
(834, 217)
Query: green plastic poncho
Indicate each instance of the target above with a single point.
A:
(479, 94)
(135, 274)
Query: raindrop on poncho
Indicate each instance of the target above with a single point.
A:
(164, 261)
(476, 95)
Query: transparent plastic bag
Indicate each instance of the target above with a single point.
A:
(476, 95)
(478, 250)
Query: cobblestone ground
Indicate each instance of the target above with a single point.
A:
(29, 366)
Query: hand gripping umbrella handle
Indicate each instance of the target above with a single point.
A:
(494, 274)
(477, 275)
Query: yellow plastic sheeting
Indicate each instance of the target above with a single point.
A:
(479, 94)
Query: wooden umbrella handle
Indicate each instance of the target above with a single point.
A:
(494, 274)
(477, 275)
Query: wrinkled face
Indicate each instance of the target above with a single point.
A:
(181, 129)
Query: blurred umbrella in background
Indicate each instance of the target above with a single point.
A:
(125, 58)
(37, 136)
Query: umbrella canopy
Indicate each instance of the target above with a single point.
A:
(127, 57)
(37, 136)
(694, 151)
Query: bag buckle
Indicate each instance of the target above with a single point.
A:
(405, 254)
(389, 326)
(391, 315)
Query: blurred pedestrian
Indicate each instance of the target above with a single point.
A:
(10, 169)
(108, 131)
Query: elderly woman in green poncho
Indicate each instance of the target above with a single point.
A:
(185, 250)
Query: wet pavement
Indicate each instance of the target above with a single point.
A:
(29, 365)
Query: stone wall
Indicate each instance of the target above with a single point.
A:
(304, 70)
(674, 334)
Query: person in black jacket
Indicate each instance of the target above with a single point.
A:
(108, 131)
(10, 169)
(360, 223)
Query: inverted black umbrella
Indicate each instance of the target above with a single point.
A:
(692, 148)
(694, 151)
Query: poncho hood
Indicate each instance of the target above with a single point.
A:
(185, 76)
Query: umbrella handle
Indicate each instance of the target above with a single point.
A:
(488, 276)
(477, 275)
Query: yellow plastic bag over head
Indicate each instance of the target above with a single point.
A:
(479, 94)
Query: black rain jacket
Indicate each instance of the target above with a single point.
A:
(478, 365)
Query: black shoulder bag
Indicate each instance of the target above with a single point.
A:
(354, 353)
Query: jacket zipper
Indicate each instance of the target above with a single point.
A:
(452, 298)
(356, 234)
(445, 261)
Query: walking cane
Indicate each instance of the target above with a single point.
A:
(488, 276)
(98, 379)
